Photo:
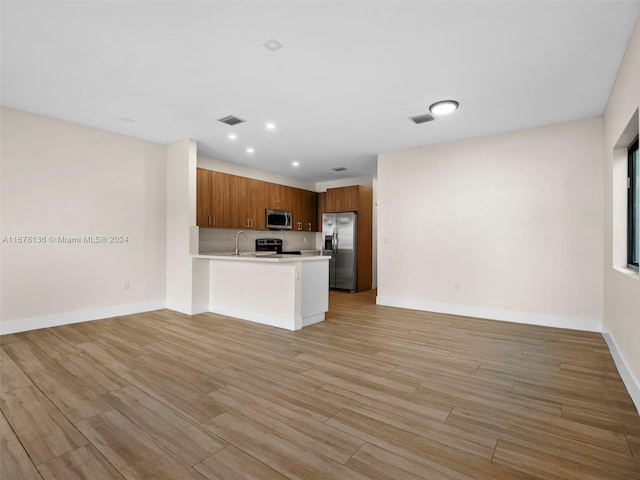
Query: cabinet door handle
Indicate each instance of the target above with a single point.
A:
(214, 220)
(252, 223)
(209, 219)
(309, 226)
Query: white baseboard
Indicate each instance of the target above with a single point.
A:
(187, 308)
(306, 321)
(57, 319)
(265, 318)
(629, 380)
(573, 323)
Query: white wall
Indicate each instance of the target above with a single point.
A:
(62, 179)
(187, 278)
(621, 286)
(243, 171)
(505, 227)
(345, 182)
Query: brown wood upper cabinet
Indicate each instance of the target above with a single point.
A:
(248, 197)
(280, 196)
(212, 199)
(322, 208)
(231, 201)
(304, 210)
(343, 199)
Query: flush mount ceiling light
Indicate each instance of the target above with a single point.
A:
(272, 45)
(127, 120)
(295, 164)
(232, 136)
(270, 126)
(444, 107)
(250, 150)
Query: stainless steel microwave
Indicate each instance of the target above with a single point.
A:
(278, 219)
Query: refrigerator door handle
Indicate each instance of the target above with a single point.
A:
(335, 240)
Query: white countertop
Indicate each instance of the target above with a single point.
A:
(263, 257)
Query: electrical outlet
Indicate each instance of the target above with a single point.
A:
(125, 285)
(456, 287)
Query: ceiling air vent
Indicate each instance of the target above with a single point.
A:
(339, 169)
(427, 117)
(231, 120)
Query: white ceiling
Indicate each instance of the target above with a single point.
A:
(340, 90)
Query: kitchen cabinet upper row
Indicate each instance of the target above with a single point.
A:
(344, 199)
(231, 201)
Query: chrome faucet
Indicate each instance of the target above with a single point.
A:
(237, 250)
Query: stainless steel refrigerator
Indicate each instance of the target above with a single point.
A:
(340, 240)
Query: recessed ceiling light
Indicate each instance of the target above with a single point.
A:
(232, 136)
(270, 126)
(444, 107)
(272, 45)
(250, 150)
(295, 164)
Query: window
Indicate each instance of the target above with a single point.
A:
(633, 210)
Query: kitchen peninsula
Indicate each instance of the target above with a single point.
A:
(286, 291)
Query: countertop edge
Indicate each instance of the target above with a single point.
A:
(265, 258)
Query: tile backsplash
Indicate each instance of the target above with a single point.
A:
(217, 240)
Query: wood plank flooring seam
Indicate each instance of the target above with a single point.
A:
(18, 438)
(355, 453)
(77, 432)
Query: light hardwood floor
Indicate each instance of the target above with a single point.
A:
(371, 393)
